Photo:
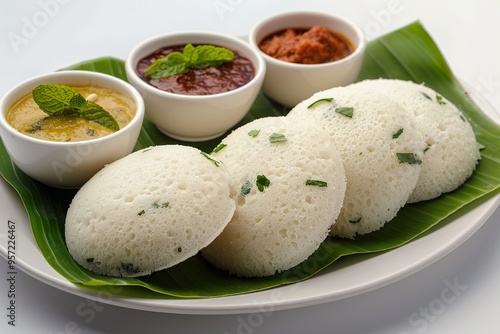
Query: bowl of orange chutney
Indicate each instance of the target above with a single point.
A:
(306, 52)
(61, 128)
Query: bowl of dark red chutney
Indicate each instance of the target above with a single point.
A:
(196, 85)
(306, 52)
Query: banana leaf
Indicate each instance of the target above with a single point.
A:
(408, 53)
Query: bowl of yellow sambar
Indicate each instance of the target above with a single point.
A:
(61, 128)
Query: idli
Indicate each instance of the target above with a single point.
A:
(149, 211)
(291, 184)
(380, 149)
(451, 151)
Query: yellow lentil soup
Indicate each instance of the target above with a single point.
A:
(29, 119)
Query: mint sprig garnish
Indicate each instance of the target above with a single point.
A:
(201, 56)
(56, 100)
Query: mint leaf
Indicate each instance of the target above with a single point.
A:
(95, 113)
(77, 101)
(209, 55)
(174, 63)
(189, 53)
(201, 56)
(54, 99)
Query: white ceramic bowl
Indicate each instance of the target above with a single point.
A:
(68, 164)
(195, 117)
(289, 83)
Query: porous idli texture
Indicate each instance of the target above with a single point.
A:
(380, 148)
(291, 185)
(149, 211)
(451, 151)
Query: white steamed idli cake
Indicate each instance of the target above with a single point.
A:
(380, 148)
(291, 184)
(149, 211)
(451, 151)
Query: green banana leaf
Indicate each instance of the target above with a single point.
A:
(408, 53)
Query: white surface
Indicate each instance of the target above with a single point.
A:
(422, 302)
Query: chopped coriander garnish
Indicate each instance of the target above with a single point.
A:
(254, 133)
(327, 99)
(219, 147)
(428, 147)
(262, 182)
(346, 111)
(216, 163)
(397, 133)
(277, 138)
(163, 205)
(141, 213)
(440, 100)
(317, 183)
(426, 96)
(246, 188)
(409, 158)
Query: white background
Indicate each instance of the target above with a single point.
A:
(39, 36)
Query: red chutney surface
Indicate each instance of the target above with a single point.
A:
(206, 81)
(313, 45)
